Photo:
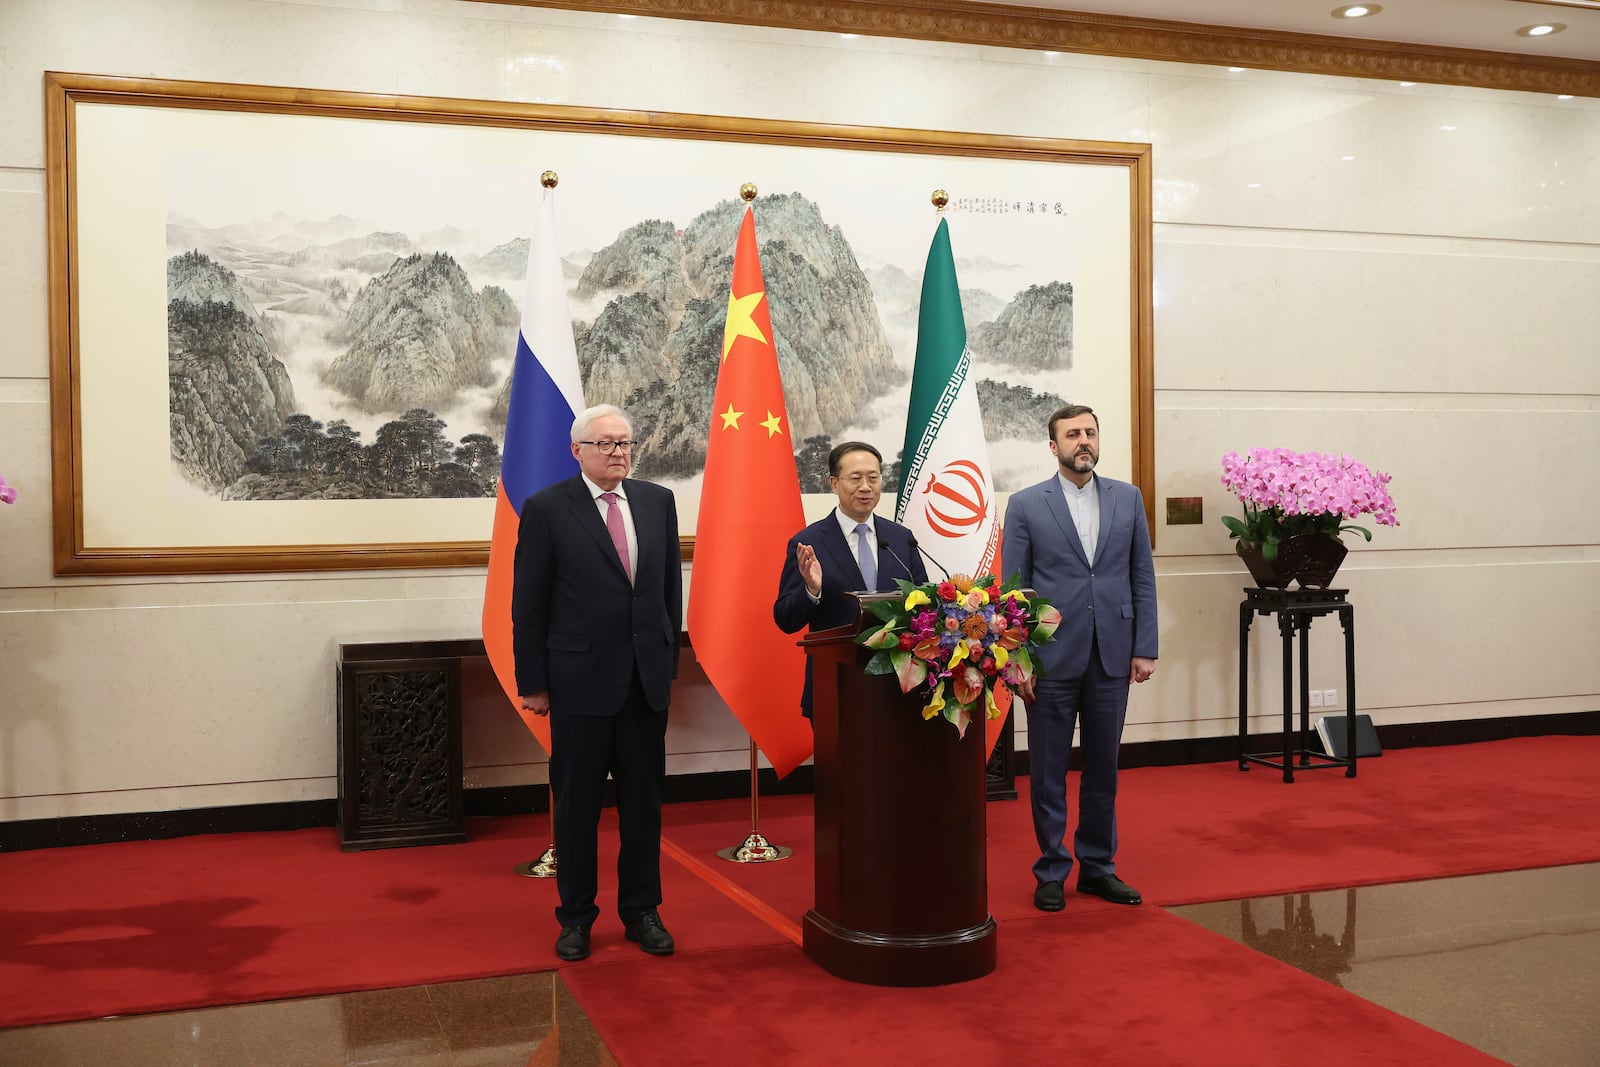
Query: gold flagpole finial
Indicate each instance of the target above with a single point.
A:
(940, 198)
(747, 192)
(548, 179)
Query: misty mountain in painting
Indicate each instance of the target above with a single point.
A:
(336, 359)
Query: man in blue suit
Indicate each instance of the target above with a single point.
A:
(1081, 540)
(850, 549)
(596, 610)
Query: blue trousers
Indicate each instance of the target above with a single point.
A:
(1097, 703)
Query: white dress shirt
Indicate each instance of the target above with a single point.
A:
(1085, 507)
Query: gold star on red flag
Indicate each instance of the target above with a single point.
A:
(740, 323)
(730, 418)
(773, 425)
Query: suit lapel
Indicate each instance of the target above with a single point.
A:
(844, 562)
(1108, 508)
(1063, 516)
(644, 518)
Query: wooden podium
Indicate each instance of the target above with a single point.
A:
(902, 893)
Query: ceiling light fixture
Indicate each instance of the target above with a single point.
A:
(1564, 96)
(1235, 70)
(1542, 29)
(1356, 11)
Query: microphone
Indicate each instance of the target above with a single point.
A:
(918, 546)
(887, 547)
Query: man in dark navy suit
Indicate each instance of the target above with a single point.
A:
(849, 550)
(596, 611)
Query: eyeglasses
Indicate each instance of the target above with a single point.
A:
(608, 447)
(855, 481)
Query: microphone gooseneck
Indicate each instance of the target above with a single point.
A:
(918, 546)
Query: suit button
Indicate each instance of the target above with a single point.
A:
(1091, 609)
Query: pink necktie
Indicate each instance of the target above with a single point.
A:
(619, 534)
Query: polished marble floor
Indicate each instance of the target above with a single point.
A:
(1508, 963)
(528, 1020)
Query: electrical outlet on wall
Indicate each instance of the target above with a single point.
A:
(1316, 698)
(1330, 698)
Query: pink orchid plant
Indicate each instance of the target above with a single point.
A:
(1287, 493)
(8, 495)
(966, 639)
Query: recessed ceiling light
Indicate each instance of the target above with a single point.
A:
(1542, 29)
(1407, 85)
(1235, 70)
(849, 36)
(1347, 158)
(1356, 11)
(621, 16)
(1254, 185)
(1447, 129)
(1564, 96)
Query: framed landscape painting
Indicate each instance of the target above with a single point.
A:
(283, 320)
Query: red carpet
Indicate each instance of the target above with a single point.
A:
(149, 926)
(1136, 986)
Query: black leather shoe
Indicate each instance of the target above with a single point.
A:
(651, 935)
(1049, 897)
(573, 944)
(1110, 887)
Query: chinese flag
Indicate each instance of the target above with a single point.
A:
(749, 508)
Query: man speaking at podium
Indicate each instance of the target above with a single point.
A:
(848, 550)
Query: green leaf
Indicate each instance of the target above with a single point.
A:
(1362, 530)
(888, 610)
(1235, 527)
(880, 663)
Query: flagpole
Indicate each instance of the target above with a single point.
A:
(545, 865)
(756, 848)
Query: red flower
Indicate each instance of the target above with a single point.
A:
(994, 593)
(987, 666)
(907, 642)
(947, 591)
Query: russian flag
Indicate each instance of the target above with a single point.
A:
(546, 395)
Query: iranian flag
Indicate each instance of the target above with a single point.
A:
(947, 496)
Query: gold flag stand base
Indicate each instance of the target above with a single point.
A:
(755, 849)
(543, 867)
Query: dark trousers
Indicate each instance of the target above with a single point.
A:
(1097, 703)
(631, 746)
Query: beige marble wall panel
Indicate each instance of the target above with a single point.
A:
(26, 350)
(25, 553)
(1255, 310)
(22, 62)
(1443, 460)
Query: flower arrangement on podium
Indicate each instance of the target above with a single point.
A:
(1298, 497)
(966, 640)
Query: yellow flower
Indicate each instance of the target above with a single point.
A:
(958, 654)
(962, 582)
(1001, 656)
(916, 598)
(935, 704)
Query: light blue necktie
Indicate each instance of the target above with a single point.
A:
(864, 556)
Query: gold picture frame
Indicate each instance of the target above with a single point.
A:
(111, 147)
